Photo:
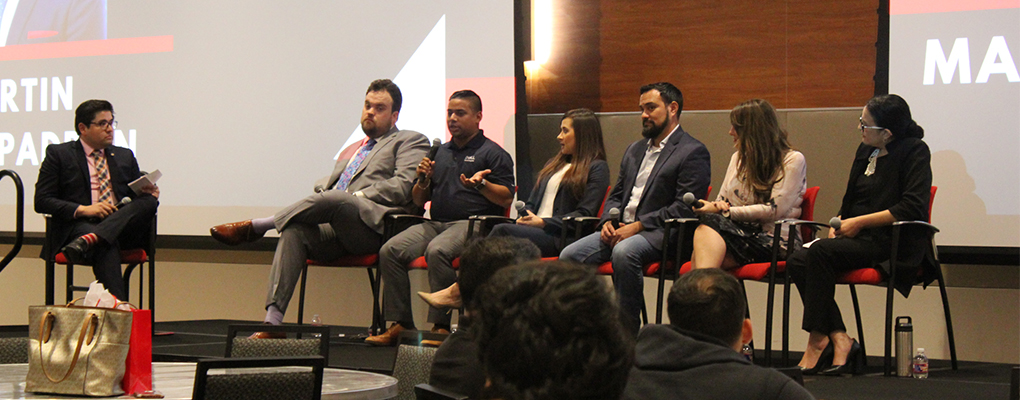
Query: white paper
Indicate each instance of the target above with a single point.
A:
(145, 181)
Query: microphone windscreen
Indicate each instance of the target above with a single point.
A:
(835, 223)
(519, 205)
(689, 198)
(123, 202)
(320, 188)
(614, 213)
(435, 148)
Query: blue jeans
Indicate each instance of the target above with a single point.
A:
(629, 258)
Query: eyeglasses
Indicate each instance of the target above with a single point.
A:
(862, 127)
(104, 124)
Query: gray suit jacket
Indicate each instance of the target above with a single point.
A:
(385, 176)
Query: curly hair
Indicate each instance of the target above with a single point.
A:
(551, 330)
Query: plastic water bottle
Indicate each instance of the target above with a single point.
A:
(920, 364)
(316, 321)
(748, 352)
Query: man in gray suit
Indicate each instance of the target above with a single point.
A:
(372, 178)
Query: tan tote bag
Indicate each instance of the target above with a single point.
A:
(77, 350)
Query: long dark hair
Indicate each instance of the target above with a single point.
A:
(891, 112)
(761, 146)
(588, 147)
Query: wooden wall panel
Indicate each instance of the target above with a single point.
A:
(795, 53)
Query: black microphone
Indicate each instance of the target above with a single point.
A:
(123, 202)
(519, 205)
(692, 201)
(614, 216)
(432, 155)
(835, 223)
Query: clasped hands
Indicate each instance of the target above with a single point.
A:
(612, 235)
(102, 210)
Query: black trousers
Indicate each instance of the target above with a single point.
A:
(127, 228)
(815, 269)
(545, 242)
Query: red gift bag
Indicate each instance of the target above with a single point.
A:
(138, 371)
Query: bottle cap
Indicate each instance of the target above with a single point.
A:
(920, 349)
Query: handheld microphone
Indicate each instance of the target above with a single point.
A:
(835, 223)
(692, 201)
(123, 202)
(614, 216)
(432, 155)
(519, 205)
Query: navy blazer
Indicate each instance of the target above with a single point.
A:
(567, 204)
(64, 184)
(683, 166)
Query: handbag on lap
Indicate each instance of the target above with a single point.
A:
(77, 350)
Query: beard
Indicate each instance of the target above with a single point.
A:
(650, 132)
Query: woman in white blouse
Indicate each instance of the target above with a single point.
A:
(765, 182)
(573, 183)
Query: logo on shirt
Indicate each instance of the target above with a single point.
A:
(469, 159)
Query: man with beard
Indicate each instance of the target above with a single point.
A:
(371, 178)
(471, 175)
(654, 175)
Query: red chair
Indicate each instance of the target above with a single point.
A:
(767, 271)
(876, 276)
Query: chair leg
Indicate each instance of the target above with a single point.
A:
(949, 319)
(51, 278)
(152, 290)
(376, 322)
(70, 284)
(890, 288)
(769, 304)
(786, 320)
(301, 296)
(860, 326)
(127, 283)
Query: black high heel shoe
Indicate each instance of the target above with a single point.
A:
(854, 362)
(824, 361)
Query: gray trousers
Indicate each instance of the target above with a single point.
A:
(440, 243)
(322, 226)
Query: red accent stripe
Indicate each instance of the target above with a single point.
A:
(899, 7)
(84, 48)
(41, 34)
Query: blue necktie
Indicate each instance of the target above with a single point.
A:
(345, 178)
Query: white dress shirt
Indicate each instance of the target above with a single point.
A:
(651, 156)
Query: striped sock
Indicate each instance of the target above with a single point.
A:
(90, 238)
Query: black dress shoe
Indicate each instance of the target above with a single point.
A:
(824, 361)
(75, 251)
(854, 363)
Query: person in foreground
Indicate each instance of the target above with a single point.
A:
(698, 354)
(550, 330)
(471, 175)
(371, 178)
(764, 182)
(890, 180)
(456, 367)
(655, 173)
(83, 185)
(572, 184)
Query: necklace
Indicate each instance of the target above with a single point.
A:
(872, 160)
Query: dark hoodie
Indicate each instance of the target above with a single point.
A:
(669, 363)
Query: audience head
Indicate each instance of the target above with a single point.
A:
(551, 331)
(382, 108)
(710, 302)
(483, 258)
(581, 140)
(761, 146)
(464, 114)
(86, 113)
(661, 104)
(891, 112)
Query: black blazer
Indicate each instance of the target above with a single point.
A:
(567, 204)
(63, 183)
(902, 186)
(684, 166)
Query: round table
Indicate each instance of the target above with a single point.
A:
(176, 381)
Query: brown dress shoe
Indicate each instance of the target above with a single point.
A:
(235, 233)
(388, 338)
(268, 335)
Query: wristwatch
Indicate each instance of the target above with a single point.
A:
(480, 185)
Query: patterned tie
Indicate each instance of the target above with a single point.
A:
(345, 178)
(105, 194)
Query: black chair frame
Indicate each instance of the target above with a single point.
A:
(317, 363)
(323, 331)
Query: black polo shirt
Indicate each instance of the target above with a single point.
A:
(452, 201)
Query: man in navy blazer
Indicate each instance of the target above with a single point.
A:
(655, 173)
(69, 189)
